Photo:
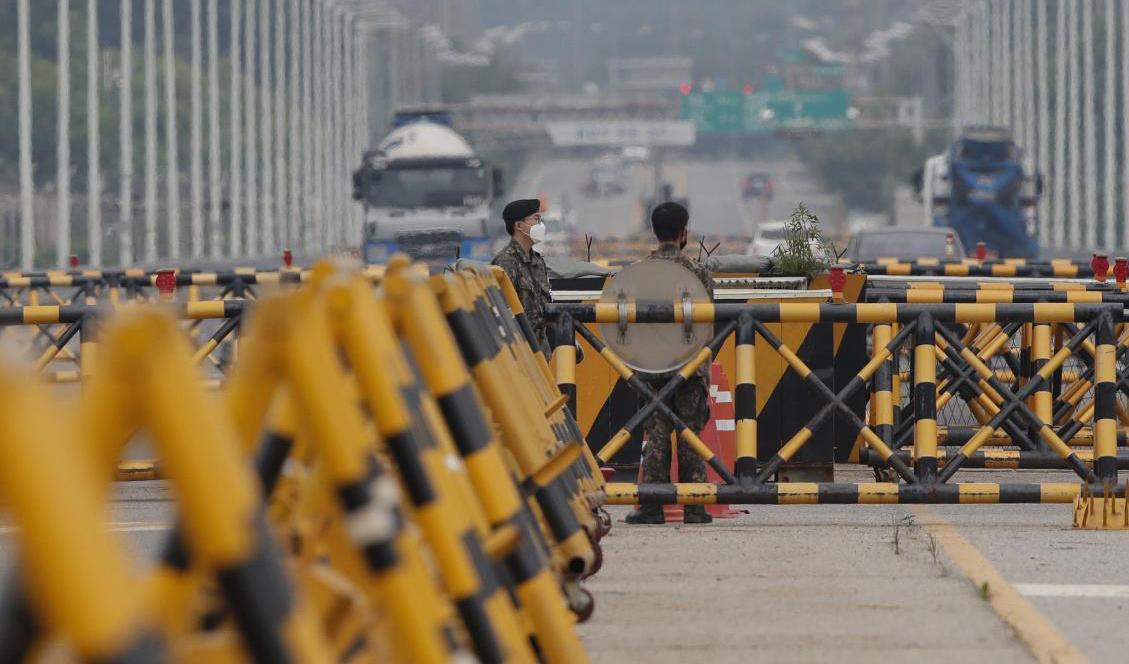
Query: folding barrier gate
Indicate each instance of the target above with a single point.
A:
(944, 366)
(341, 393)
(1097, 267)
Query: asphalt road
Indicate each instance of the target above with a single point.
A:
(817, 583)
(713, 188)
(829, 583)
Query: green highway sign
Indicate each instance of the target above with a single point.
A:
(715, 111)
(766, 111)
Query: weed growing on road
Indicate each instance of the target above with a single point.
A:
(935, 551)
(905, 520)
(985, 593)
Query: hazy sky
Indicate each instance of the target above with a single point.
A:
(728, 39)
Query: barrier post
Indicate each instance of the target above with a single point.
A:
(925, 400)
(564, 358)
(76, 571)
(88, 344)
(1105, 401)
(882, 396)
(1040, 355)
(745, 401)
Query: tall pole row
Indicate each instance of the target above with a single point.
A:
(196, 121)
(93, 139)
(63, 145)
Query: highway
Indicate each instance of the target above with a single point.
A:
(713, 187)
(938, 583)
(828, 577)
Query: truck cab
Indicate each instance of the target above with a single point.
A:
(427, 193)
(986, 190)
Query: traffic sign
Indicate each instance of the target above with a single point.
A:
(715, 111)
(767, 110)
(620, 133)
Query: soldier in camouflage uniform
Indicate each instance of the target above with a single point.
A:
(524, 266)
(691, 400)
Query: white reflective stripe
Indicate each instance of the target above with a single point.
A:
(1072, 590)
(725, 425)
(713, 391)
(723, 397)
(373, 523)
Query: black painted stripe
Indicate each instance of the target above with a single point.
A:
(483, 567)
(1105, 400)
(259, 594)
(526, 561)
(273, 452)
(473, 348)
(465, 421)
(658, 494)
(558, 514)
(925, 401)
(407, 457)
(838, 494)
(745, 401)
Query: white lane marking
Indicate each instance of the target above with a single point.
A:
(725, 425)
(119, 527)
(723, 397)
(1072, 590)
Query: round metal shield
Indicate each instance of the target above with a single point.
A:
(655, 347)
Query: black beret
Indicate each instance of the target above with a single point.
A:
(520, 209)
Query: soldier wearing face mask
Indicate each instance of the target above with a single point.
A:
(524, 266)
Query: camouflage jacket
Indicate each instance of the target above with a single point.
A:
(530, 277)
(669, 251)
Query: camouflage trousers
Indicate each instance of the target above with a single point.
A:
(691, 403)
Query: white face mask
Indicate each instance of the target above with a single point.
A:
(537, 234)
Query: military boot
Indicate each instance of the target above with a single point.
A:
(696, 514)
(647, 514)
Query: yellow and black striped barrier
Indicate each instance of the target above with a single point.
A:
(1024, 411)
(995, 296)
(342, 395)
(843, 493)
(1055, 268)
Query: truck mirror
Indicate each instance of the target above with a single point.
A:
(917, 181)
(358, 185)
(499, 181)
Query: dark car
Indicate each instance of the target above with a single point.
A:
(907, 244)
(756, 185)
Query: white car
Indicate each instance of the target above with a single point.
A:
(636, 154)
(768, 236)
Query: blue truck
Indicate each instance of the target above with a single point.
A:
(986, 190)
(426, 192)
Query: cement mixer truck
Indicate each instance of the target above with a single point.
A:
(426, 192)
